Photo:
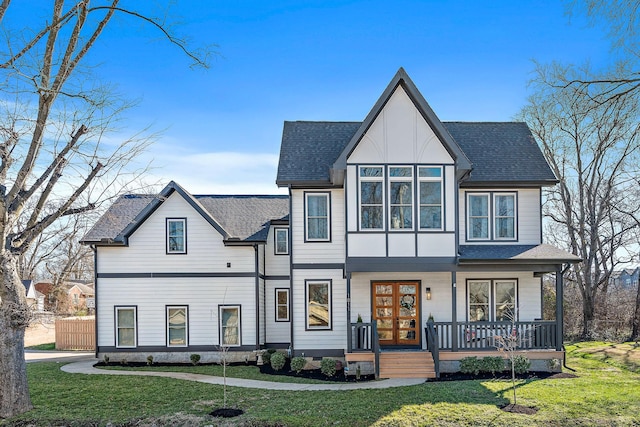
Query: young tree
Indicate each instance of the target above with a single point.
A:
(53, 161)
(592, 147)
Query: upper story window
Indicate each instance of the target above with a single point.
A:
(491, 216)
(371, 198)
(400, 198)
(176, 235)
(430, 182)
(281, 237)
(317, 217)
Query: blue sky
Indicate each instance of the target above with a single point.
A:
(321, 60)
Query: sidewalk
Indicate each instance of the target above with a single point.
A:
(86, 367)
(56, 356)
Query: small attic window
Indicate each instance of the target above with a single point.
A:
(176, 235)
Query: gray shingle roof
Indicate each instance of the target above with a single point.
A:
(309, 150)
(501, 152)
(524, 253)
(243, 218)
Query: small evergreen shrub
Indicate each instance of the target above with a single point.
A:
(266, 356)
(298, 363)
(328, 366)
(521, 364)
(106, 359)
(492, 364)
(195, 359)
(278, 361)
(149, 360)
(470, 365)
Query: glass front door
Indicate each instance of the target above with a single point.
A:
(396, 307)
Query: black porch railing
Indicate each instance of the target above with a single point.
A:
(464, 336)
(431, 332)
(363, 337)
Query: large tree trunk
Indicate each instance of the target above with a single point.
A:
(14, 319)
(588, 314)
(635, 329)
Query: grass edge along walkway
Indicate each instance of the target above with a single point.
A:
(86, 367)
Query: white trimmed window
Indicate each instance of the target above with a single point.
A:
(282, 305)
(126, 327)
(431, 196)
(504, 216)
(371, 198)
(317, 217)
(281, 236)
(318, 295)
(229, 322)
(478, 216)
(400, 198)
(176, 235)
(177, 326)
(491, 216)
(491, 300)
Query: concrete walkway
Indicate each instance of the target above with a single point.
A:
(86, 367)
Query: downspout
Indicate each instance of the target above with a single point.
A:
(257, 263)
(95, 294)
(291, 321)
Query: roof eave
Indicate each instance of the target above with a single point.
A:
(511, 183)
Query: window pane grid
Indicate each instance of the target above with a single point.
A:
(176, 235)
(478, 216)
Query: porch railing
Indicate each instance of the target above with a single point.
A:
(431, 332)
(539, 334)
(363, 337)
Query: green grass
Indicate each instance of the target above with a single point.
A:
(594, 398)
(250, 372)
(48, 346)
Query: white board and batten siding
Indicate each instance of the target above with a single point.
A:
(528, 216)
(336, 337)
(203, 296)
(401, 136)
(318, 252)
(147, 246)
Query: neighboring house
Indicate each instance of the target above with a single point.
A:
(35, 299)
(626, 279)
(78, 295)
(394, 219)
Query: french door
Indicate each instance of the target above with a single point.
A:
(396, 310)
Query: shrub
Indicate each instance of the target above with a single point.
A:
(521, 364)
(470, 365)
(195, 359)
(328, 366)
(298, 364)
(492, 364)
(149, 360)
(106, 359)
(278, 361)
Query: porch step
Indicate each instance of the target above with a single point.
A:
(404, 364)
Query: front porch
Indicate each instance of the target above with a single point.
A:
(446, 343)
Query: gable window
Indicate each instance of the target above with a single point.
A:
(371, 198)
(505, 216)
(230, 325)
(317, 217)
(318, 304)
(126, 325)
(491, 216)
(491, 300)
(430, 182)
(176, 235)
(282, 305)
(400, 198)
(177, 326)
(281, 236)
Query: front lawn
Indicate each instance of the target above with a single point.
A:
(603, 394)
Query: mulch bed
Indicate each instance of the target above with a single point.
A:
(226, 412)
(314, 374)
(459, 376)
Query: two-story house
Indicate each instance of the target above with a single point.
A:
(393, 221)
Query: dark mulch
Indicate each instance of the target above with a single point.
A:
(519, 409)
(314, 374)
(226, 412)
(145, 364)
(459, 376)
